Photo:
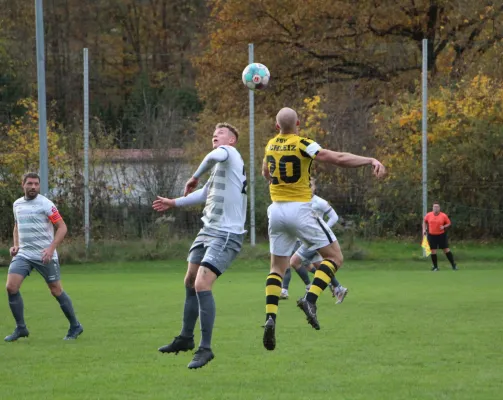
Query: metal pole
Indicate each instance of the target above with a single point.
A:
(86, 147)
(42, 112)
(251, 97)
(425, 127)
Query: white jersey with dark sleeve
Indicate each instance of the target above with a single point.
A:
(35, 219)
(323, 209)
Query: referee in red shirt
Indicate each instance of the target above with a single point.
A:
(434, 225)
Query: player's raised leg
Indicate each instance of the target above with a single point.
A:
(14, 281)
(279, 265)
(296, 262)
(332, 261)
(286, 284)
(207, 312)
(222, 248)
(185, 340)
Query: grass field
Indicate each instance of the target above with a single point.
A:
(402, 333)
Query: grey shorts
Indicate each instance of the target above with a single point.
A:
(308, 256)
(23, 266)
(215, 249)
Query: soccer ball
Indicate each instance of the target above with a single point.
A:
(256, 76)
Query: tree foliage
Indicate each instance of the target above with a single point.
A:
(465, 172)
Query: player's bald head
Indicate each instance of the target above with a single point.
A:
(287, 120)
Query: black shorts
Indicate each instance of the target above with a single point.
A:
(438, 241)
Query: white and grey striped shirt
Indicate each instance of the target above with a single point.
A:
(226, 201)
(35, 219)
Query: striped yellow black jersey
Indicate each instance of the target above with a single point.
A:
(289, 158)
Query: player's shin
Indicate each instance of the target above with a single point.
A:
(322, 278)
(17, 307)
(207, 311)
(272, 293)
(67, 307)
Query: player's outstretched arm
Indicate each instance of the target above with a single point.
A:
(163, 203)
(349, 160)
(220, 154)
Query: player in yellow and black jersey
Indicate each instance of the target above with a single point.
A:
(289, 158)
(287, 167)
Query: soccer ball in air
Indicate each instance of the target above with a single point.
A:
(256, 76)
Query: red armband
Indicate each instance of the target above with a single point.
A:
(55, 216)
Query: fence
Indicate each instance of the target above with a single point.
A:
(133, 218)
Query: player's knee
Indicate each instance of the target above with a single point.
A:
(56, 290)
(295, 262)
(189, 280)
(337, 259)
(11, 288)
(202, 285)
(340, 261)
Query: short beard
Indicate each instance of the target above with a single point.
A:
(30, 197)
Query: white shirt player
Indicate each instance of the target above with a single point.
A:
(224, 193)
(35, 219)
(322, 208)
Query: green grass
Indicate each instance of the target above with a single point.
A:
(402, 333)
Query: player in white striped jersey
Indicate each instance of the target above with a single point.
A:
(304, 259)
(35, 248)
(217, 243)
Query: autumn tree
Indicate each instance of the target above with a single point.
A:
(464, 171)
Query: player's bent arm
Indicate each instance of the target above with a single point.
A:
(197, 197)
(265, 171)
(61, 231)
(347, 160)
(332, 217)
(220, 154)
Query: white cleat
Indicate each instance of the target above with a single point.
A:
(284, 294)
(341, 294)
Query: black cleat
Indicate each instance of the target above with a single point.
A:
(270, 334)
(74, 332)
(455, 267)
(434, 269)
(180, 343)
(18, 333)
(310, 311)
(201, 357)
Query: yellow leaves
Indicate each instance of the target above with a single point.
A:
(438, 107)
(413, 116)
(20, 149)
(311, 115)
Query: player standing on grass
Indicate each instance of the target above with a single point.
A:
(434, 225)
(305, 258)
(216, 244)
(287, 166)
(35, 247)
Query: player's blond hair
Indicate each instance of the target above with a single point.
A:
(230, 127)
